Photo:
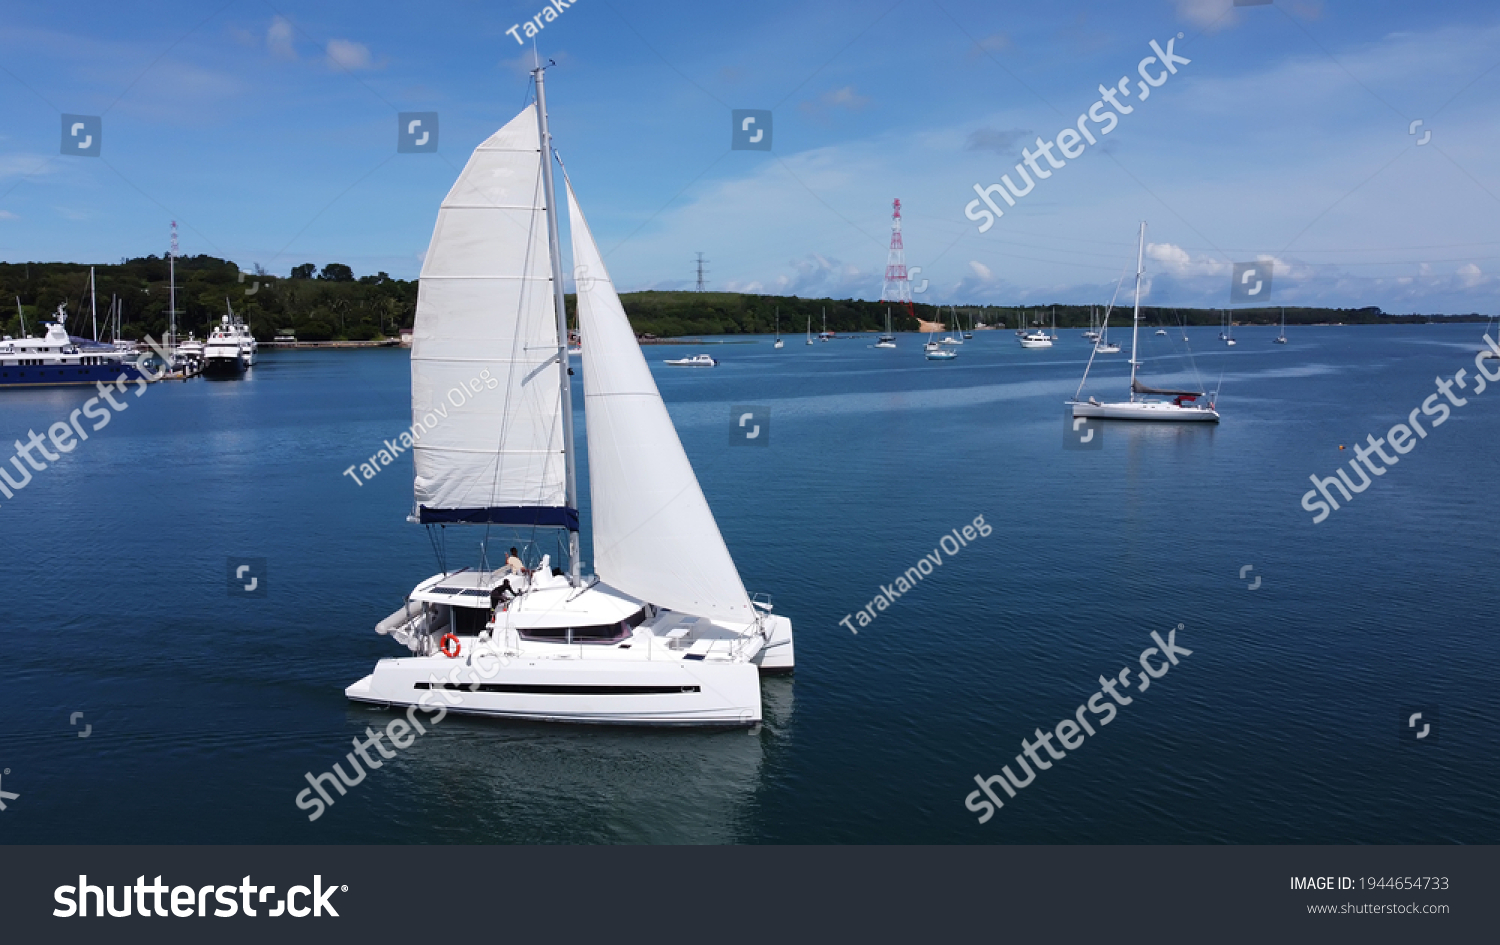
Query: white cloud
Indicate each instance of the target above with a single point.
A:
(1179, 261)
(846, 97)
(1208, 14)
(1470, 275)
(349, 55)
(981, 270)
(279, 39)
(25, 165)
(7, 215)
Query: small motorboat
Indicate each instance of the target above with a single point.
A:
(697, 360)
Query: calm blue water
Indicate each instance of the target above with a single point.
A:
(206, 710)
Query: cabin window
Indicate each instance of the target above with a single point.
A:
(468, 621)
(597, 633)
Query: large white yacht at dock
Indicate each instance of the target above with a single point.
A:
(230, 349)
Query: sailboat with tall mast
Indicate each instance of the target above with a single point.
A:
(1281, 338)
(663, 632)
(1142, 405)
(888, 339)
(955, 335)
(779, 343)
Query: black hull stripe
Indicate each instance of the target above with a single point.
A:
(559, 690)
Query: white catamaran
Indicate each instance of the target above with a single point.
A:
(663, 632)
(1181, 407)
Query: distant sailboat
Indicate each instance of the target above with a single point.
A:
(1281, 338)
(954, 338)
(779, 342)
(1104, 345)
(1180, 408)
(809, 329)
(934, 351)
(1093, 333)
(887, 340)
(1229, 326)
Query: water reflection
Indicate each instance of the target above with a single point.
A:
(482, 781)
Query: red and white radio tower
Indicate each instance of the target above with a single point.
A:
(897, 287)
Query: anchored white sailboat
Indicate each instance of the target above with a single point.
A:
(1281, 338)
(955, 336)
(1093, 333)
(663, 632)
(779, 343)
(1141, 405)
(887, 340)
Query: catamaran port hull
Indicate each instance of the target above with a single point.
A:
(672, 691)
(1164, 411)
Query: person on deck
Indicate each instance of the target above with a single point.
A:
(507, 589)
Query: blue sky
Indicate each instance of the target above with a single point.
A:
(269, 133)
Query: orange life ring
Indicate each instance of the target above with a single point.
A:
(443, 646)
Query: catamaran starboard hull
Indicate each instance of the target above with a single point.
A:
(673, 691)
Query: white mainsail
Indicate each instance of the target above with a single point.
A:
(484, 304)
(654, 535)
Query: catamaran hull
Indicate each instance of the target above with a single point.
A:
(672, 691)
(1147, 410)
(777, 656)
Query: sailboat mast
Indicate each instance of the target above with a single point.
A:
(1135, 329)
(93, 304)
(574, 569)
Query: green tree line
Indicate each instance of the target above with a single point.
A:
(331, 303)
(318, 304)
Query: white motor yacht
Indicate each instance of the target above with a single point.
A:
(1036, 339)
(663, 632)
(697, 360)
(230, 349)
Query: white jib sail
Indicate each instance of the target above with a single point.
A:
(489, 451)
(654, 535)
